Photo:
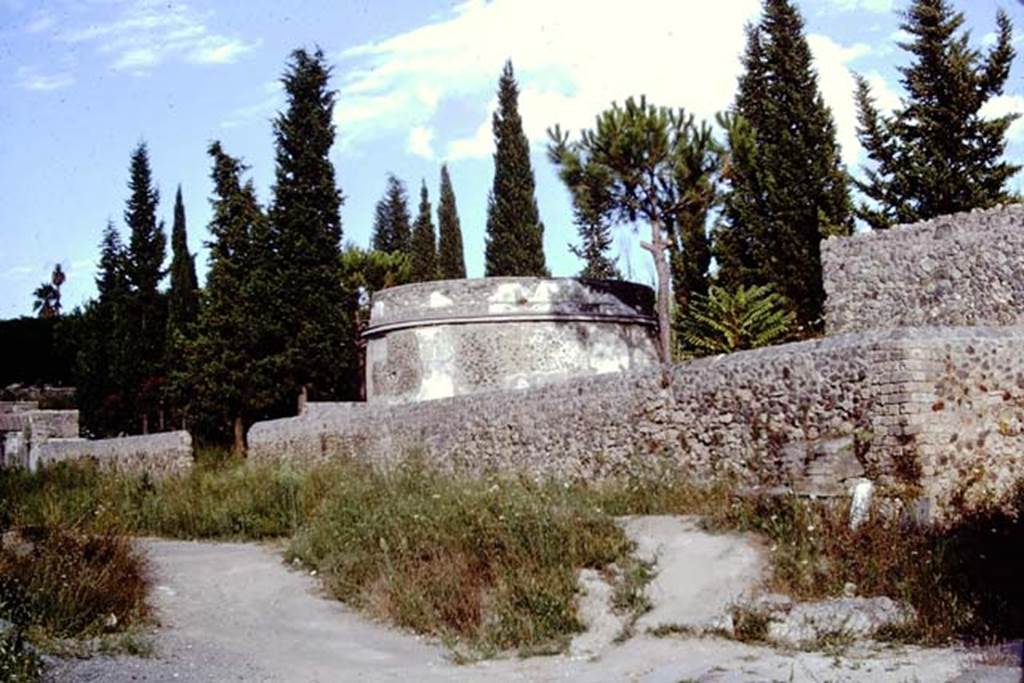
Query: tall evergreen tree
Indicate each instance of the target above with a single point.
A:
(696, 176)
(183, 297)
(786, 184)
(595, 241)
(515, 244)
(451, 262)
(233, 370)
(103, 358)
(306, 223)
(424, 243)
(144, 270)
(392, 231)
(937, 154)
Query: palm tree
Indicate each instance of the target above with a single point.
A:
(47, 303)
(724, 321)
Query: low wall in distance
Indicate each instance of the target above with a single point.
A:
(937, 411)
(157, 455)
(961, 269)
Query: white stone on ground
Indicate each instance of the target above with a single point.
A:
(699, 575)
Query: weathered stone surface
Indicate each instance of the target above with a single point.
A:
(456, 337)
(155, 454)
(962, 269)
(811, 623)
(938, 408)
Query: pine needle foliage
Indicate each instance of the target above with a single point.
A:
(306, 230)
(392, 232)
(515, 234)
(937, 154)
(724, 321)
(627, 168)
(451, 261)
(183, 296)
(424, 242)
(786, 186)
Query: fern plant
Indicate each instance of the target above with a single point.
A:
(724, 321)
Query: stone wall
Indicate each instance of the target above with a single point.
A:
(155, 454)
(937, 410)
(963, 269)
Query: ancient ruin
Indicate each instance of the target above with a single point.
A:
(455, 337)
(918, 387)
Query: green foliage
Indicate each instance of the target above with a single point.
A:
(724, 321)
(391, 224)
(515, 234)
(642, 162)
(424, 243)
(319, 351)
(19, 663)
(182, 312)
(234, 362)
(146, 308)
(366, 272)
(47, 295)
(489, 564)
(183, 298)
(786, 187)
(102, 383)
(70, 584)
(451, 262)
(936, 154)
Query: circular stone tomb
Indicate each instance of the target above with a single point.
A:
(454, 337)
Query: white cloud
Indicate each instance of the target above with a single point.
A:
(218, 50)
(837, 84)
(30, 79)
(421, 139)
(880, 6)
(1002, 105)
(147, 33)
(18, 272)
(568, 69)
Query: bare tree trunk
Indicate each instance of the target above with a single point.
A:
(239, 445)
(303, 399)
(145, 423)
(657, 247)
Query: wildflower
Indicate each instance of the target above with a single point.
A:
(810, 527)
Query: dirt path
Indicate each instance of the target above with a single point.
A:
(236, 612)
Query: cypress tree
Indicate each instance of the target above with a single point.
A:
(787, 187)
(451, 262)
(144, 270)
(936, 154)
(306, 224)
(232, 371)
(424, 244)
(595, 241)
(391, 225)
(514, 231)
(103, 356)
(183, 297)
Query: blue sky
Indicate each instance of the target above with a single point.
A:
(83, 81)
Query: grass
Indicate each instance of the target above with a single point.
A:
(490, 564)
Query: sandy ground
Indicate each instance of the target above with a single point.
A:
(236, 612)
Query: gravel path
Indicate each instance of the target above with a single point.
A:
(235, 612)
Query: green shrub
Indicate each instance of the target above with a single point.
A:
(72, 585)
